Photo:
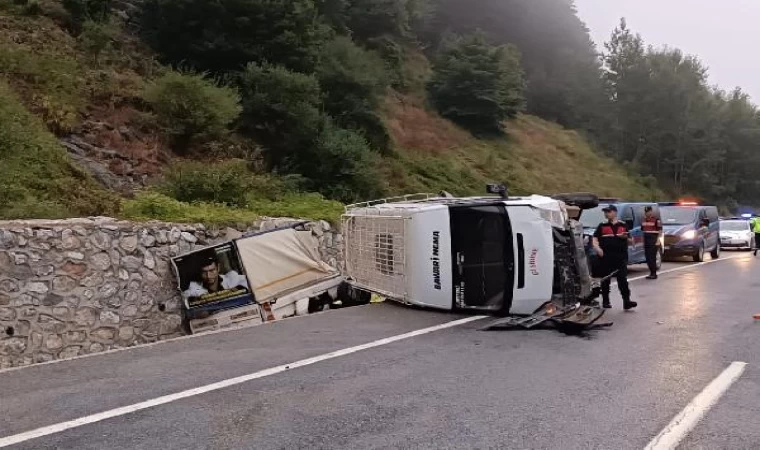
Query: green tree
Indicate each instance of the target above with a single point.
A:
(561, 64)
(83, 10)
(340, 165)
(627, 78)
(192, 109)
(354, 80)
(281, 108)
(230, 182)
(225, 35)
(335, 14)
(669, 123)
(477, 85)
(739, 135)
(369, 19)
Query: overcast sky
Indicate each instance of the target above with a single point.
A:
(723, 33)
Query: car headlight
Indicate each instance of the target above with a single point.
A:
(690, 234)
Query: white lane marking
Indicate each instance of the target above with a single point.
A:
(685, 267)
(242, 328)
(687, 419)
(63, 426)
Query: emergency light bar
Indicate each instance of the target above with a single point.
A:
(680, 203)
(747, 216)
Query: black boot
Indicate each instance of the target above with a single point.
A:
(652, 276)
(606, 303)
(629, 304)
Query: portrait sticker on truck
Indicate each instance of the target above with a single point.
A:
(436, 261)
(533, 262)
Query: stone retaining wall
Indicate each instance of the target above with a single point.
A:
(80, 286)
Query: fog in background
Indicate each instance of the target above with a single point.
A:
(722, 33)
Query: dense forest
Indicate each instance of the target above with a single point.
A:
(650, 108)
(261, 101)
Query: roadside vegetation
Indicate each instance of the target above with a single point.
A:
(152, 205)
(36, 177)
(535, 156)
(235, 109)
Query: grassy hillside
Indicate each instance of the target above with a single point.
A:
(36, 177)
(535, 156)
(52, 83)
(55, 82)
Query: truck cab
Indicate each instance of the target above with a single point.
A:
(499, 255)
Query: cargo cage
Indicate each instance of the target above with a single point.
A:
(375, 253)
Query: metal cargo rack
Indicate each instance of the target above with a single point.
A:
(377, 257)
(409, 198)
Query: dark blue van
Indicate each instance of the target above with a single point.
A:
(690, 230)
(633, 215)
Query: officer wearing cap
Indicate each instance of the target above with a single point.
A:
(652, 227)
(611, 245)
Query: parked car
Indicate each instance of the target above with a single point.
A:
(690, 230)
(736, 233)
(630, 213)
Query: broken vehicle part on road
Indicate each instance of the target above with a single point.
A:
(571, 318)
(496, 254)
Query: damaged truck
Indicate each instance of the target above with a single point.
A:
(518, 257)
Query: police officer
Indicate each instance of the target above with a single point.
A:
(755, 224)
(652, 227)
(611, 245)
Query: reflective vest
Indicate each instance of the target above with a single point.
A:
(651, 225)
(756, 225)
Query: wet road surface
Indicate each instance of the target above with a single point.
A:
(455, 387)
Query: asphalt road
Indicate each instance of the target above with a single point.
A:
(458, 387)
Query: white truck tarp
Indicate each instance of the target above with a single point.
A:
(282, 262)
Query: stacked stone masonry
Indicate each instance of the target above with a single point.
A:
(80, 286)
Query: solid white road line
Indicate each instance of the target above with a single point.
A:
(230, 330)
(59, 427)
(687, 419)
(684, 267)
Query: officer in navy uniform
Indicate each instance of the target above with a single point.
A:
(611, 245)
(652, 227)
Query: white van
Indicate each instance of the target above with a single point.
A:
(495, 254)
